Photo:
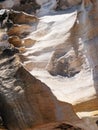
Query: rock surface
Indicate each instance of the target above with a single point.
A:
(26, 100)
(52, 73)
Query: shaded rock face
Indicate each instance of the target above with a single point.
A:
(32, 6)
(62, 126)
(67, 65)
(67, 60)
(66, 127)
(64, 4)
(10, 17)
(29, 6)
(8, 4)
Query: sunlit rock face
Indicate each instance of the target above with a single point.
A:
(60, 49)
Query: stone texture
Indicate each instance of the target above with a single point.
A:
(60, 50)
(26, 100)
(15, 40)
(21, 17)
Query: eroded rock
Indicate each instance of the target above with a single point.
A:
(55, 44)
(27, 101)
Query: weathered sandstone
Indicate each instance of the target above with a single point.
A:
(49, 71)
(26, 100)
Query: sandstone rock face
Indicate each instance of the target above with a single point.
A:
(67, 52)
(52, 73)
(27, 101)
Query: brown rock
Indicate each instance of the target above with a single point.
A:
(22, 18)
(28, 42)
(0, 6)
(67, 65)
(15, 40)
(20, 30)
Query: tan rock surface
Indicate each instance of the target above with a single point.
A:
(68, 46)
(28, 42)
(60, 50)
(19, 30)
